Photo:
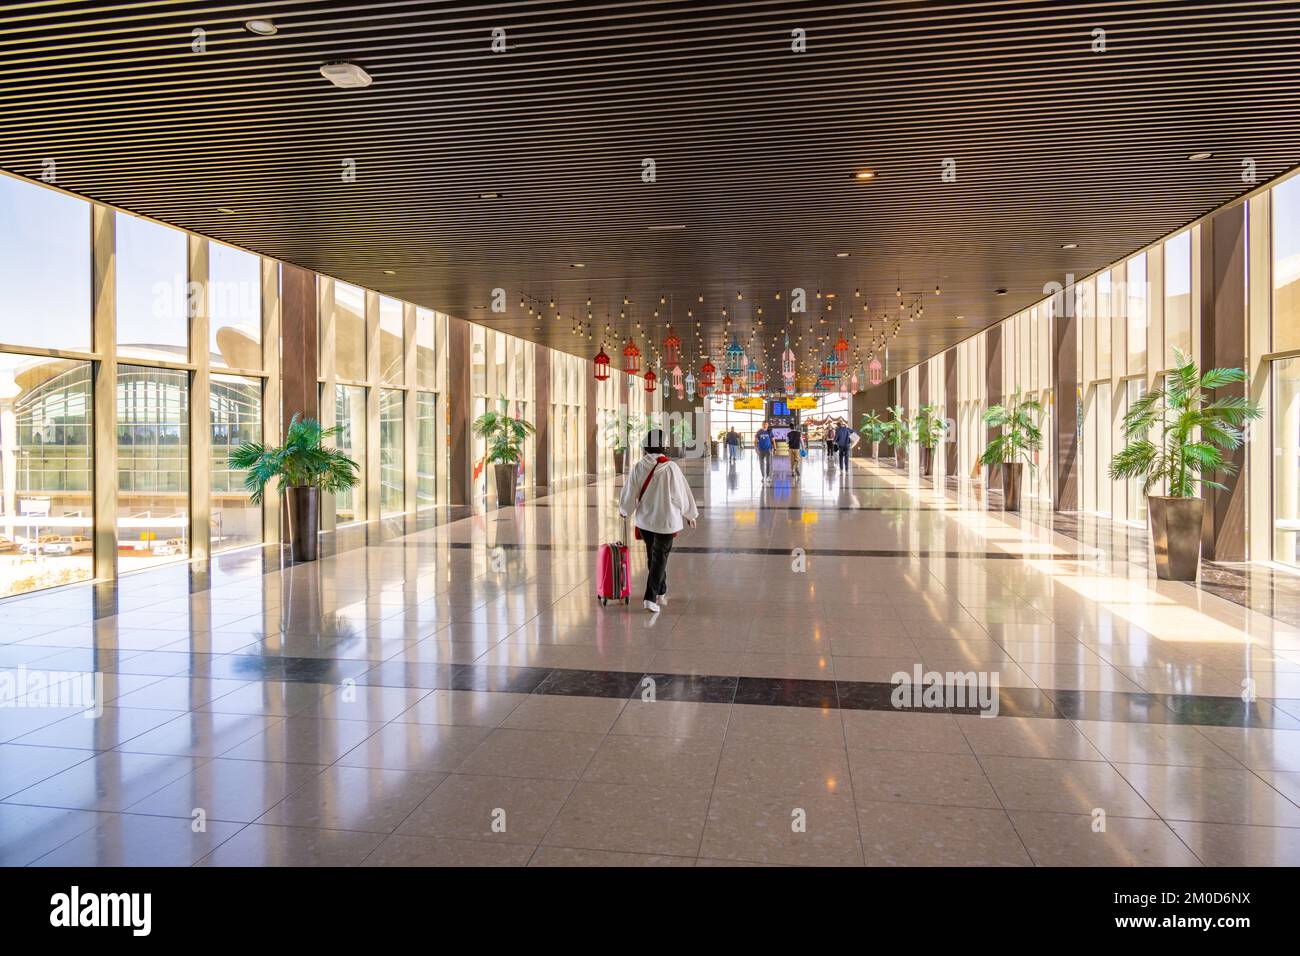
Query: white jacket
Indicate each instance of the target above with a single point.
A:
(667, 499)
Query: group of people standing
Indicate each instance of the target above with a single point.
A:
(840, 442)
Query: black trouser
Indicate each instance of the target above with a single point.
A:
(764, 463)
(657, 547)
(844, 456)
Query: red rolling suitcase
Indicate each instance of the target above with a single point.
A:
(613, 573)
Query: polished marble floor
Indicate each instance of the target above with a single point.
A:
(446, 690)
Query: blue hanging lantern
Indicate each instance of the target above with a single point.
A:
(735, 361)
(690, 386)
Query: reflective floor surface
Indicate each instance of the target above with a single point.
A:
(446, 690)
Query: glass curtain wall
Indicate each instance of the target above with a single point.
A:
(1285, 372)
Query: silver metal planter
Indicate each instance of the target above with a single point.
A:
(1012, 477)
(1176, 536)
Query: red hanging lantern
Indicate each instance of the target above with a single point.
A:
(841, 352)
(602, 365)
(672, 348)
(677, 378)
(726, 385)
(631, 358)
(707, 371)
(650, 379)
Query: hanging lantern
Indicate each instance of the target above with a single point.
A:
(787, 365)
(841, 354)
(631, 358)
(650, 380)
(855, 384)
(735, 357)
(602, 365)
(875, 371)
(707, 371)
(672, 348)
(726, 384)
(751, 374)
(759, 383)
(690, 387)
(844, 384)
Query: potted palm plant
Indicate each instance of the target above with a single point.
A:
(898, 433)
(682, 434)
(305, 468)
(929, 429)
(1020, 437)
(619, 430)
(873, 426)
(505, 437)
(1194, 432)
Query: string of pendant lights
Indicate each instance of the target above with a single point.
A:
(840, 366)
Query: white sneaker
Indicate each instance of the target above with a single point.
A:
(650, 606)
(663, 599)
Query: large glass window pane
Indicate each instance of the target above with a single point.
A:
(236, 417)
(425, 331)
(1286, 265)
(1178, 296)
(1136, 282)
(392, 476)
(426, 449)
(46, 475)
(1103, 325)
(234, 307)
(1286, 461)
(153, 466)
(1135, 388)
(44, 267)
(391, 339)
(152, 303)
(350, 416)
(349, 332)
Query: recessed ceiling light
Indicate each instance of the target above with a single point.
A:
(489, 195)
(1000, 291)
(1069, 245)
(578, 265)
(862, 175)
(226, 209)
(346, 76)
(841, 255)
(389, 272)
(262, 27)
(664, 228)
(1197, 157)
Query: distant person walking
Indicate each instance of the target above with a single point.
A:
(763, 445)
(843, 442)
(733, 443)
(657, 493)
(794, 441)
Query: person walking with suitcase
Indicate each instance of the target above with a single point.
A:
(763, 445)
(794, 442)
(657, 494)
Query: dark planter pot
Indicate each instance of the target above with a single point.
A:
(619, 456)
(506, 476)
(714, 449)
(304, 522)
(927, 461)
(1176, 536)
(1012, 475)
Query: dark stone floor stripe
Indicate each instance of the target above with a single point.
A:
(771, 552)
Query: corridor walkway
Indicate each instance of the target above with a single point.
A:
(447, 690)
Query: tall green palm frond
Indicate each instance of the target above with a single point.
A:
(1191, 430)
(1020, 432)
(504, 435)
(302, 461)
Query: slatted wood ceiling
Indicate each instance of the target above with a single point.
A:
(754, 147)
